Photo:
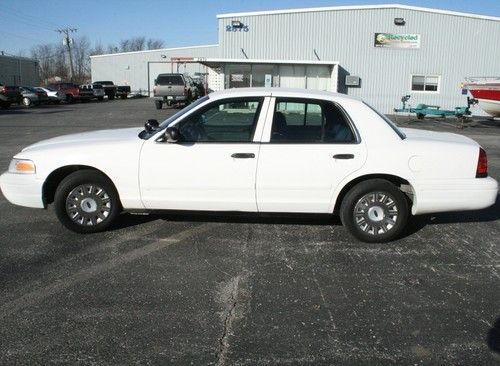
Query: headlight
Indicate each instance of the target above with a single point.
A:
(22, 166)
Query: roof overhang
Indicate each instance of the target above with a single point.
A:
(214, 62)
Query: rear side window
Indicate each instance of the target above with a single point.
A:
(310, 121)
(170, 80)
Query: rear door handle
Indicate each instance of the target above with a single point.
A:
(343, 156)
(243, 155)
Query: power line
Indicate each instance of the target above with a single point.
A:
(27, 17)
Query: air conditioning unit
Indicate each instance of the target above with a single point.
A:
(351, 80)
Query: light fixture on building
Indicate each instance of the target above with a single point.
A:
(236, 24)
(399, 21)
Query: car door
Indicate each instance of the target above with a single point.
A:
(311, 146)
(213, 165)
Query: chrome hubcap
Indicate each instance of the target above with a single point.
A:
(88, 204)
(376, 213)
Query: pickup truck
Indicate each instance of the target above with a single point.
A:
(172, 89)
(9, 95)
(92, 91)
(70, 90)
(112, 90)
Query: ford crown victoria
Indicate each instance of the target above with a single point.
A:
(257, 150)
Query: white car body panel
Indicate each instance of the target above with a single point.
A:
(439, 167)
(113, 152)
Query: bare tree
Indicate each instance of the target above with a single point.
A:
(137, 43)
(45, 55)
(97, 50)
(154, 44)
(81, 53)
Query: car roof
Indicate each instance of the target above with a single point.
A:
(285, 92)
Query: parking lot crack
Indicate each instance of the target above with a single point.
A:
(230, 296)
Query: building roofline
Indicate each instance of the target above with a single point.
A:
(359, 7)
(19, 58)
(157, 50)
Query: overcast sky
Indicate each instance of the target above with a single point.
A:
(26, 23)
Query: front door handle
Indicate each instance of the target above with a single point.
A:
(243, 155)
(343, 156)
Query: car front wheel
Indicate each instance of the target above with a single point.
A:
(86, 202)
(375, 211)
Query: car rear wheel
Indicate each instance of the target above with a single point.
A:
(86, 202)
(158, 104)
(375, 211)
(26, 102)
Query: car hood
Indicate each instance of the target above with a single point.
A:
(116, 135)
(424, 135)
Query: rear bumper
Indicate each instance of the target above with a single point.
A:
(454, 195)
(22, 189)
(171, 98)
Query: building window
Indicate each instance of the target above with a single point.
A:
(425, 83)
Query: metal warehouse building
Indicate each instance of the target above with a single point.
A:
(18, 71)
(376, 52)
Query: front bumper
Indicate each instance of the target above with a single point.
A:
(454, 195)
(22, 189)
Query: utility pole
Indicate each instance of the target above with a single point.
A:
(67, 41)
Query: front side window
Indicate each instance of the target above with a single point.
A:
(425, 83)
(309, 121)
(229, 120)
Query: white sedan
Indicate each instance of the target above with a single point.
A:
(257, 150)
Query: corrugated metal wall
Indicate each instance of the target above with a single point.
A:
(18, 71)
(451, 46)
(133, 68)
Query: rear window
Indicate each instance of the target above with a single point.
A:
(170, 80)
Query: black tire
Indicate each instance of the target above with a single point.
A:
(69, 98)
(56, 102)
(380, 205)
(80, 194)
(420, 116)
(158, 104)
(111, 97)
(100, 99)
(123, 96)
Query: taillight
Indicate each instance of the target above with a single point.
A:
(482, 164)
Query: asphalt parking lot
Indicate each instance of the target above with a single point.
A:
(166, 289)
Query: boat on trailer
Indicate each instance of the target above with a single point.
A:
(486, 90)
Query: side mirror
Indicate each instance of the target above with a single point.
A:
(172, 134)
(151, 125)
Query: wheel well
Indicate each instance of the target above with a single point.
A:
(399, 182)
(55, 178)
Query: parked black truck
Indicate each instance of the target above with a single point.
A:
(112, 90)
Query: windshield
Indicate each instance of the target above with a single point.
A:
(144, 135)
